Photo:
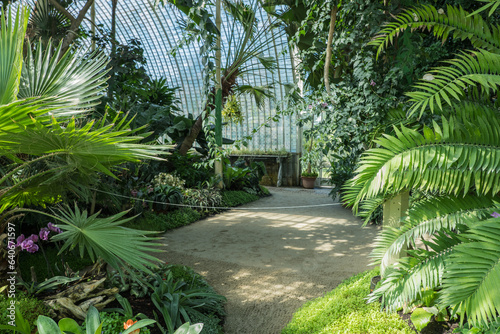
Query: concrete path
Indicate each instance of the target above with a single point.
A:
(269, 262)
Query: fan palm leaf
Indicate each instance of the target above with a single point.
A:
(106, 238)
(11, 51)
(70, 83)
(70, 157)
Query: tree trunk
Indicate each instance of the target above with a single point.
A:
(326, 74)
(188, 142)
(111, 81)
(75, 22)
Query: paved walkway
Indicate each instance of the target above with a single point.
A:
(269, 262)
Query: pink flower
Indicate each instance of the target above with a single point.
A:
(29, 246)
(44, 233)
(20, 239)
(495, 215)
(33, 238)
(54, 228)
(372, 83)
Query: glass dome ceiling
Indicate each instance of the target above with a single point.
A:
(159, 30)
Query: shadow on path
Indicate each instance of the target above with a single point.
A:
(269, 262)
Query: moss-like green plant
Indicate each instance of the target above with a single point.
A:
(344, 310)
(30, 308)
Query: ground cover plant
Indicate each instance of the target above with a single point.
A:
(344, 310)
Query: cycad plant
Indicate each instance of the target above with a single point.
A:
(451, 168)
(47, 149)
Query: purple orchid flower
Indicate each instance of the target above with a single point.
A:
(29, 245)
(495, 215)
(54, 228)
(33, 238)
(44, 234)
(19, 240)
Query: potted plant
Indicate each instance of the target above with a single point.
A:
(310, 163)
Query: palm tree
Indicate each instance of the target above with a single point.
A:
(246, 58)
(452, 170)
(48, 149)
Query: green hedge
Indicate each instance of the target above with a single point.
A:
(233, 198)
(344, 310)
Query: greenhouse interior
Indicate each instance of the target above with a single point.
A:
(249, 166)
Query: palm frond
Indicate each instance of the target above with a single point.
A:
(428, 216)
(492, 5)
(407, 279)
(455, 22)
(450, 82)
(46, 22)
(105, 238)
(11, 51)
(69, 156)
(471, 283)
(451, 158)
(69, 83)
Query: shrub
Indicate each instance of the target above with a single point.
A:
(344, 310)
(165, 222)
(30, 308)
(203, 198)
(232, 198)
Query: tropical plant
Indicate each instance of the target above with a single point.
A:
(67, 325)
(248, 55)
(175, 301)
(49, 151)
(451, 168)
(34, 288)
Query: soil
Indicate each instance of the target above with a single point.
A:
(268, 262)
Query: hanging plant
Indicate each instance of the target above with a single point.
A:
(232, 110)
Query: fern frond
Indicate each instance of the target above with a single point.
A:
(472, 279)
(450, 82)
(428, 216)
(456, 23)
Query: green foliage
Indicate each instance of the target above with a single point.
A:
(180, 287)
(29, 307)
(232, 110)
(165, 221)
(71, 258)
(242, 177)
(451, 168)
(105, 238)
(421, 318)
(204, 198)
(175, 300)
(344, 310)
(492, 328)
(56, 282)
(112, 322)
(233, 198)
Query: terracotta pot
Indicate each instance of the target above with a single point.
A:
(308, 182)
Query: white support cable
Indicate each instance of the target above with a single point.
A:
(218, 207)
